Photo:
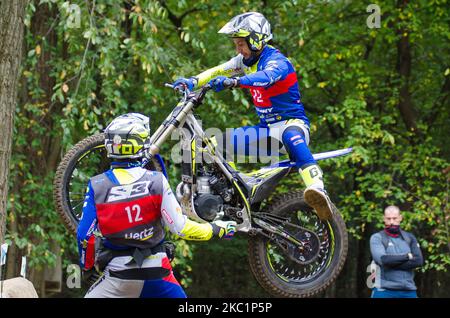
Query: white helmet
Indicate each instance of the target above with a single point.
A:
(252, 26)
(128, 136)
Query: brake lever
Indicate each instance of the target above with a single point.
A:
(182, 89)
(197, 98)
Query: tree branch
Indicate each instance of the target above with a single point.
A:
(177, 21)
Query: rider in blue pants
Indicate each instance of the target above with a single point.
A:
(273, 84)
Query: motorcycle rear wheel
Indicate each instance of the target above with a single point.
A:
(283, 277)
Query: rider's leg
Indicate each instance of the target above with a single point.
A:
(295, 141)
(112, 287)
(167, 287)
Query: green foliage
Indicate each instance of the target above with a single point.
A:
(214, 271)
(38, 225)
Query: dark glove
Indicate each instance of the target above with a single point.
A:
(89, 277)
(187, 82)
(221, 82)
(170, 250)
(224, 229)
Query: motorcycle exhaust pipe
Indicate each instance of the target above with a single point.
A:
(183, 192)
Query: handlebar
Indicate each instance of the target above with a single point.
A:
(182, 89)
(196, 97)
(228, 83)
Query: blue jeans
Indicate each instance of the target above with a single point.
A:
(386, 293)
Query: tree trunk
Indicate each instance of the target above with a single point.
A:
(404, 63)
(51, 144)
(46, 157)
(11, 35)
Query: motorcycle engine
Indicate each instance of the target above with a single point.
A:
(212, 193)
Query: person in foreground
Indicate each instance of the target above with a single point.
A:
(121, 233)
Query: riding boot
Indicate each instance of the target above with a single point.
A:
(315, 194)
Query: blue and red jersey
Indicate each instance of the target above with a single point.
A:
(272, 81)
(274, 88)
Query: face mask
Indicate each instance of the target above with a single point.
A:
(393, 230)
(251, 60)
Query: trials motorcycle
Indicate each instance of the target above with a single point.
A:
(292, 253)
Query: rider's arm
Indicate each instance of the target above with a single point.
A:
(178, 223)
(85, 231)
(274, 71)
(231, 68)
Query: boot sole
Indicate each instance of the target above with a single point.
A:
(318, 202)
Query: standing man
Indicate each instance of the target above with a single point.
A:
(397, 253)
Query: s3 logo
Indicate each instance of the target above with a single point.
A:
(127, 191)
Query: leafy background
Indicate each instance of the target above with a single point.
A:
(384, 91)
